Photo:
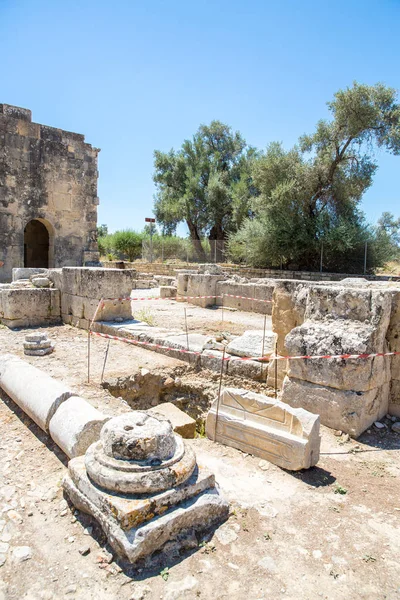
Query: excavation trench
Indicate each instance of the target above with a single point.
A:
(188, 391)
(191, 391)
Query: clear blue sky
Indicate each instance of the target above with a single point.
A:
(137, 76)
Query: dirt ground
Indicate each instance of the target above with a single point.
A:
(332, 532)
(199, 320)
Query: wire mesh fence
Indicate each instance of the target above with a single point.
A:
(184, 250)
(361, 259)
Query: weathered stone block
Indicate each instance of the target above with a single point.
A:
(252, 343)
(350, 411)
(28, 307)
(168, 291)
(180, 421)
(25, 273)
(93, 282)
(250, 369)
(265, 427)
(332, 338)
(203, 285)
(38, 394)
(76, 425)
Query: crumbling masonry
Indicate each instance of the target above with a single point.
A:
(48, 195)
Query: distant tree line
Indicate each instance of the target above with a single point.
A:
(278, 207)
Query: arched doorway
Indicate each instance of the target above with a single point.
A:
(36, 245)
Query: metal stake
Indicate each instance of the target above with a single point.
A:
(263, 343)
(88, 357)
(187, 334)
(219, 393)
(105, 360)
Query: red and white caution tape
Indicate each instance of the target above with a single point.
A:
(256, 358)
(130, 298)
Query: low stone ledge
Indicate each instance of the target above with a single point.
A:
(265, 427)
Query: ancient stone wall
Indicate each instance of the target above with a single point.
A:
(48, 195)
(335, 319)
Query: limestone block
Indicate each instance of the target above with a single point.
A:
(41, 282)
(25, 273)
(112, 309)
(96, 282)
(203, 285)
(55, 276)
(38, 394)
(34, 306)
(250, 369)
(350, 411)
(195, 341)
(143, 284)
(337, 337)
(288, 437)
(79, 306)
(181, 422)
(168, 291)
(362, 305)
(251, 344)
(76, 425)
(231, 288)
(164, 280)
(289, 305)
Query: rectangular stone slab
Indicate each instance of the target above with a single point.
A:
(266, 428)
(129, 510)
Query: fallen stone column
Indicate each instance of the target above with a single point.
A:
(265, 427)
(38, 394)
(76, 425)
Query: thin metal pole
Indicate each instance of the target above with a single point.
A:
(276, 370)
(365, 257)
(322, 256)
(263, 342)
(105, 360)
(263, 345)
(219, 393)
(88, 357)
(186, 326)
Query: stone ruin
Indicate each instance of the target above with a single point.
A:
(141, 482)
(132, 473)
(288, 437)
(38, 344)
(48, 195)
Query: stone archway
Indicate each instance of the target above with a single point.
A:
(38, 244)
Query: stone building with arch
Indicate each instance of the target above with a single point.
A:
(48, 195)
